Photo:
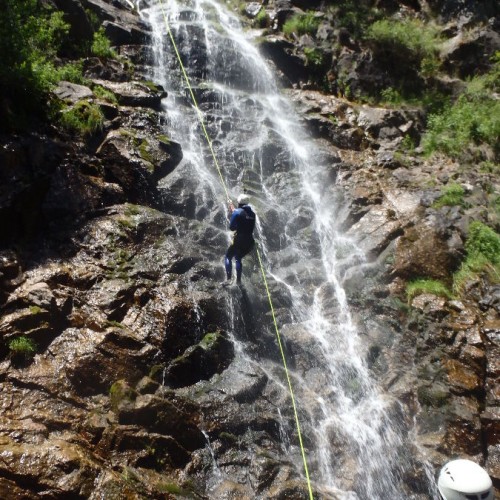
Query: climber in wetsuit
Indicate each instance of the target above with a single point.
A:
(242, 221)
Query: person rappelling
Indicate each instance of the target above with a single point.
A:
(242, 222)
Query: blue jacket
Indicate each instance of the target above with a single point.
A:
(242, 220)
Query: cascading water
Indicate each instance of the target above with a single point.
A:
(359, 439)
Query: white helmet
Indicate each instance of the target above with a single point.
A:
(464, 480)
(243, 199)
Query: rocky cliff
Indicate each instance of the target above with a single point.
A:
(120, 366)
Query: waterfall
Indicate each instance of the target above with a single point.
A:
(359, 438)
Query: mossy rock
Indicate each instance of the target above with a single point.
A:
(120, 393)
(434, 396)
(211, 355)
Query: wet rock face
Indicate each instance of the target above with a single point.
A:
(414, 248)
(137, 381)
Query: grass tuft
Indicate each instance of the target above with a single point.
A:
(420, 286)
(23, 346)
(301, 24)
(84, 118)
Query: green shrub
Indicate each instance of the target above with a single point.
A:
(413, 42)
(23, 346)
(473, 119)
(483, 241)
(483, 255)
(354, 15)
(469, 121)
(84, 117)
(72, 72)
(453, 195)
(421, 286)
(314, 57)
(391, 97)
(262, 19)
(30, 38)
(419, 39)
(101, 46)
(301, 24)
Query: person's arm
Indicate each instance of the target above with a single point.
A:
(233, 223)
(230, 209)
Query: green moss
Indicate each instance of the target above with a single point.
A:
(128, 133)
(120, 264)
(118, 392)
(172, 488)
(116, 324)
(35, 310)
(132, 209)
(453, 195)
(126, 224)
(228, 437)
(421, 286)
(434, 397)
(145, 152)
(164, 139)
(156, 372)
(151, 85)
(209, 340)
(23, 346)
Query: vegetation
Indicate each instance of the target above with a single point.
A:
(23, 346)
(301, 24)
(453, 195)
(314, 57)
(118, 392)
(411, 37)
(30, 37)
(421, 286)
(354, 15)
(483, 241)
(474, 118)
(261, 19)
(173, 489)
(483, 254)
(101, 46)
(84, 118)
(34, 38)
(105, 94)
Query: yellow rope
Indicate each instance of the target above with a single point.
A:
(283, 357)
(278, 335)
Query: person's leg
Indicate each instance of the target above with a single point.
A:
(239, 268)
(228, 261)
(240, 252)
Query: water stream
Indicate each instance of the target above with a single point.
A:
(360, 439)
